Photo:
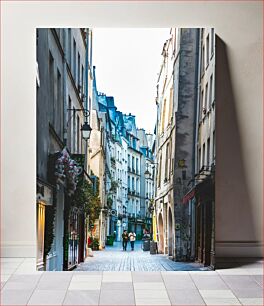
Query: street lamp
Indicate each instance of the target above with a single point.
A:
(86, 128)
(86, 131)
(147, 174)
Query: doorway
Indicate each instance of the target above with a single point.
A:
(161, 233)
(170, 233)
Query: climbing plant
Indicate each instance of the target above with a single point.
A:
(87, 197)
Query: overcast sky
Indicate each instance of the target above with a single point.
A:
(127, 65)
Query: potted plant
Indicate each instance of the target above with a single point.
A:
(95, 244)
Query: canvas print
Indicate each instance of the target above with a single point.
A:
(125, 149)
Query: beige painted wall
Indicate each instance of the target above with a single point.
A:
(239, 135)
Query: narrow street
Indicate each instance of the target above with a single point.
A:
(113, 258)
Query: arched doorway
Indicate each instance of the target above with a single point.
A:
(161, 234)
(170, 233)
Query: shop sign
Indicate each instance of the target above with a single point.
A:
(113, 212)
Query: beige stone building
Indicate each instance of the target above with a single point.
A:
(165, 135)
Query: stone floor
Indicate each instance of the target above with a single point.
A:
(240, 285)
(113, 258)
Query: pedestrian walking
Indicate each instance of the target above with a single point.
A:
(125, 240)
(132, 238)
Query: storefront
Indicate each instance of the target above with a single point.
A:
(136, 225)
(44, 198)
(200, 201)
(204, 248)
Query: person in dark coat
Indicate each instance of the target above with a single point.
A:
(125, 240)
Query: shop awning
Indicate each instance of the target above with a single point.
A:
(188, 196)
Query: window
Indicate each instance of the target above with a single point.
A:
(69, 48)
(163, 116)
(69, 126)
(169, 160)
(159, 173)
(134, 143)
(207, 50)
(59, 104)
(166, 163)
(206, 107)
(78, 74)
(208, 152)
(201, 104)
(203, 163)
(172, 165)
(211, 91)
(74, 59)
(199, 160)
(78, 134)
(171, 104)
(202, 61)
(128, 160)
(82, 82)
(133, 163)
(137, 170)
(214, 145)
(51, 88)
(133, 184)
(74, 131)
(128, 182)
(212, 41)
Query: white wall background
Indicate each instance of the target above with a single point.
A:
(238, 24)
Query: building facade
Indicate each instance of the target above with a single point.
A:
(205, 151)
(186, 82)
(185, 146)
(165, 146)
(146, 178)
(61, 106)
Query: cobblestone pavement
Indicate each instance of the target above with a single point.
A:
(113, 258)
